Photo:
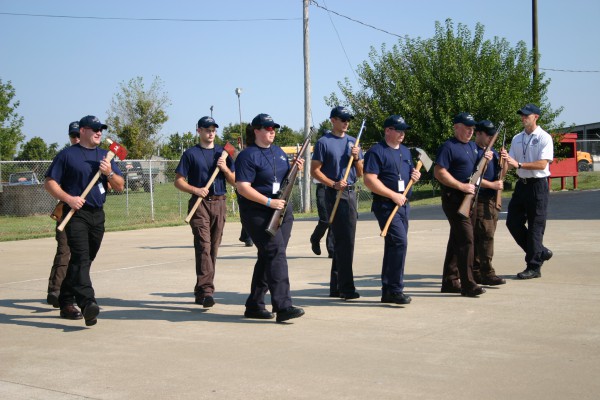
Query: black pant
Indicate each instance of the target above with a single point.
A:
(85, 231)
(528, 205)
(458, 262)
(271, 268)
(344, 231)
(323, 224)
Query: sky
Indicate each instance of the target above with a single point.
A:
(65, 68)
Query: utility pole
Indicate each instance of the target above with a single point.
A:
(536, 66)
(307, 109)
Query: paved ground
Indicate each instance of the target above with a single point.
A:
(536, 339)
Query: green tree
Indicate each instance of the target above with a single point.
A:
(137, 115)
(286, 136)
(36, 149)
(10, 122)
(177, 144)
(428, 81)
(231, 133)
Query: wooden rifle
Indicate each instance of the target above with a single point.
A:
(501, 174)
(468, 202)
(285, 190)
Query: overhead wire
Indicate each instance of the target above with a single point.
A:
(151, 19)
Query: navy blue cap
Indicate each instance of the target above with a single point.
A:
(90, 121)
(464, 118)
(486, 126)
(74, 129)
(529, 109)
(264, 120)
(207, 122)
(341, 112)
(396, 122)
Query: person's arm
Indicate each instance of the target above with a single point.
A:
(52, 187)
(229, 174)
(181, 184)
(245, 189)
(446, 179)
(377, 187)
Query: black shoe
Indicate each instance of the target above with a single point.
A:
(397, 298)
(258, 314)
(334, 294)
(349, 296)
(529, 274)
(289, 313)
(492, 280)
(475, 292)
(199, 299)
(208, 302)
(90, 312)
(69, 311)
(315, 246)
(546, 254)
(52, 299)
(452, 286)
(248, 242)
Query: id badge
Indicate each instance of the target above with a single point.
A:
(276, 186)
(400, 185)
(101, 188)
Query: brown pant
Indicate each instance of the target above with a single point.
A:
(484, 229)
(61, 262)
(207, 226)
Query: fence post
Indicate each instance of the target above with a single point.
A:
(151, 192)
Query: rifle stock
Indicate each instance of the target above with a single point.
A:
(469, 200)
(286, 190)
(501, 176)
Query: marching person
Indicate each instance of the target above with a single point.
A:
(531, 153)
(193, 172)
(331, 157)
(67, 177)
(261, 168)
(455, 162)
(63, 253)
(388, 169)
(323, 224)
(486, 213)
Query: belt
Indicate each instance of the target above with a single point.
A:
(90, 208)
(218, 197)
(525, 181)
(383, 199)
(349, 188)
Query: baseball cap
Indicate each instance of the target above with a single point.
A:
(529, 109)
(464, 118)
(486, 126)
(74, 129)
(341, 112)
(264, 120)
(206, 122)
(90, 121)
(396, 122)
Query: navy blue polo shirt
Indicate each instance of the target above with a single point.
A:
(334, 153)
(261, 167)
(458, 158)
(197, 164)
(73, 169)
(491, 172)
(389, 164)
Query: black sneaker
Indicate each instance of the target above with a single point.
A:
(396, 298)
(258, 314)
(90, 312)
(289, 313)
(529, 274)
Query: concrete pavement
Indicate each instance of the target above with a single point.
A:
(537, 339)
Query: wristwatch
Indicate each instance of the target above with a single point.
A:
(519, 166)
(112, 173)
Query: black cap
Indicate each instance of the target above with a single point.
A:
(341, 112)
(529, 109)
(74, 129)
(464, 118)
(396, 122)
(90, 121)
(207, 122)
(486, 126)
(264, 120)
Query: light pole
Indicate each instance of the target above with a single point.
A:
(211, 110)
(238, 91)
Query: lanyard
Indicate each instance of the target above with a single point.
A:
(273, 165)
(525, 147)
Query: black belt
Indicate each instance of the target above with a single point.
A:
(90, 208)
(349, 188)
(525, 181)
(383, 199)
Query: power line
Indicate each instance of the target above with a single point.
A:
(150, 19)
(566, 70)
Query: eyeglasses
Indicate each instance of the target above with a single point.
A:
(269, 128)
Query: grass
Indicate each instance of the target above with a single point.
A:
(133, 211)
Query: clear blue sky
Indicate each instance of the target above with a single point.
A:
(65, 68)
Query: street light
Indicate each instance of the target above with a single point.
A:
(238, 91)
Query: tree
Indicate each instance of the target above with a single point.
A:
(137, 115)
(10, 122)
(36, 149)
(428, 81)
(286, 136)
(177, 144)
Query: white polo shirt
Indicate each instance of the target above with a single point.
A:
(532, 147)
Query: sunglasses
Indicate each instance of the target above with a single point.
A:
(344, 120)
(269, 128)
(95, 130)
